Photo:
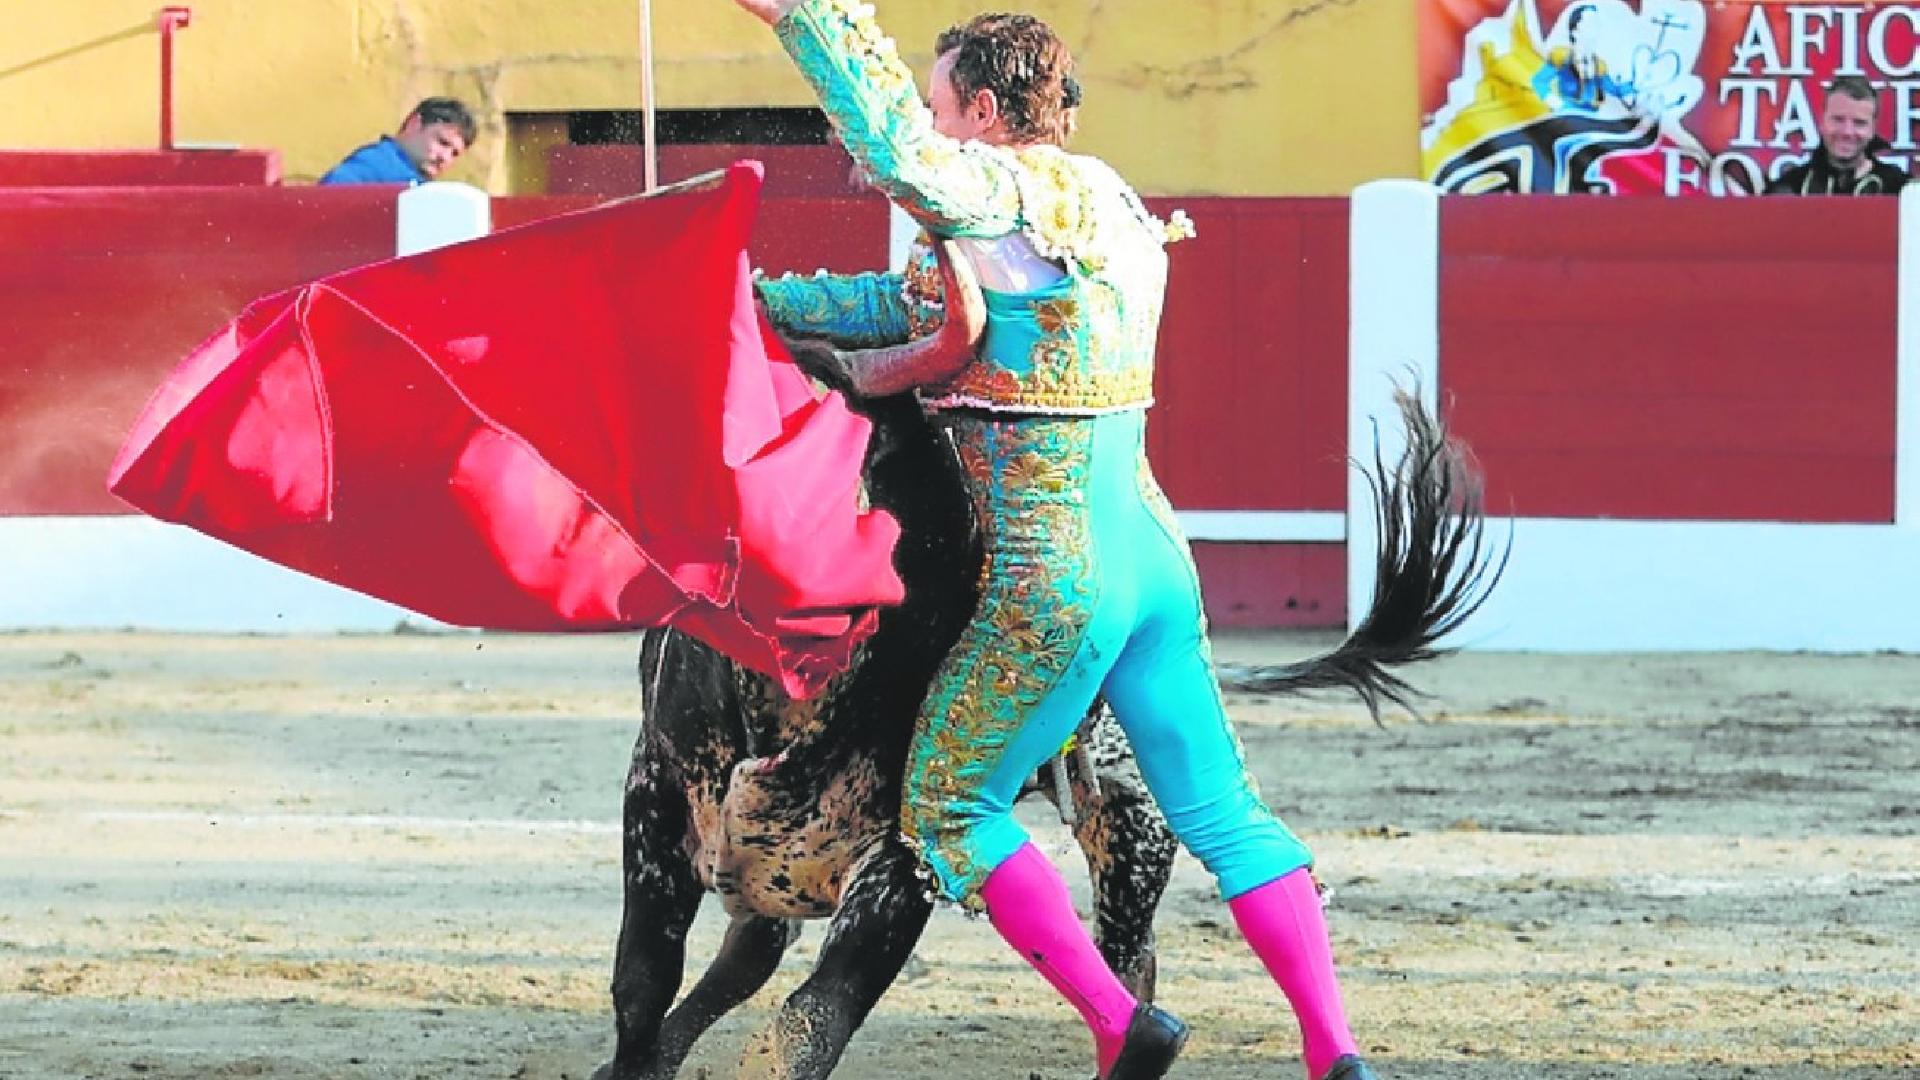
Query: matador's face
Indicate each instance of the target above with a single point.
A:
(952, 117)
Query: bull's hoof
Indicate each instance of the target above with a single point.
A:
(1350, 1067)
(613, 1070)
(1154, 1039)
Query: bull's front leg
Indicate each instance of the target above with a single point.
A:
(661, 896)
(880, 918)
(748, 957)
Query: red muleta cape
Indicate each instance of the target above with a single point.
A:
(580, 424)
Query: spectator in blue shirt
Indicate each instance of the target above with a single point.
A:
(433, 135)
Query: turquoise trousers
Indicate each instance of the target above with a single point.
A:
(1089, 588)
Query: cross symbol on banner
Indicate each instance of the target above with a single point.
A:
(1666, 22)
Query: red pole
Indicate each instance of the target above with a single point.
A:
(170, 18)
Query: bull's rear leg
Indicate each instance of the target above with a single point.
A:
(881, 916)
(661, 896)
(747, 958)
(1129, 852)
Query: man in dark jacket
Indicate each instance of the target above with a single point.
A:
(433, 135)
(1845, 163)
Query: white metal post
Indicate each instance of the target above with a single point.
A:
(1393, 342)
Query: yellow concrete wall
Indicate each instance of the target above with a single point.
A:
(1227, 96)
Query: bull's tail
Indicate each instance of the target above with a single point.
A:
(1433, 571)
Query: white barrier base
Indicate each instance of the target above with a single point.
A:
(112, 573)
(1617, 586)
(1264, 526)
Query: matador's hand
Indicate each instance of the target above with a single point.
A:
(932, 359)
(767, 11)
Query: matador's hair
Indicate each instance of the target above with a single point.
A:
(1027, 67)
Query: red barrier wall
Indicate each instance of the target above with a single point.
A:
(843, 234)
(102, 291)
(1253, 357)
(1718, 360)
(617, 169)
(1263, 586)
(1252, 390)
(1685, 359)
(139, 168)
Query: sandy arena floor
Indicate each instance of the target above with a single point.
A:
(379, 856)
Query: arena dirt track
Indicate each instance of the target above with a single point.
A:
(397, 856)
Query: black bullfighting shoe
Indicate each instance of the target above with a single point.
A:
(1154, 1039)
(1350, 1067)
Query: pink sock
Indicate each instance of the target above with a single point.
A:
(1028, 903)
(1282, 921)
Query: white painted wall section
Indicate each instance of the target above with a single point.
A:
(439, 213)
(111, 573)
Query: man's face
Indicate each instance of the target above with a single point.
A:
(432, 147)
(951, 116)
(1846, 127)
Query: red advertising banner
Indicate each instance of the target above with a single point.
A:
(1672, 97)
